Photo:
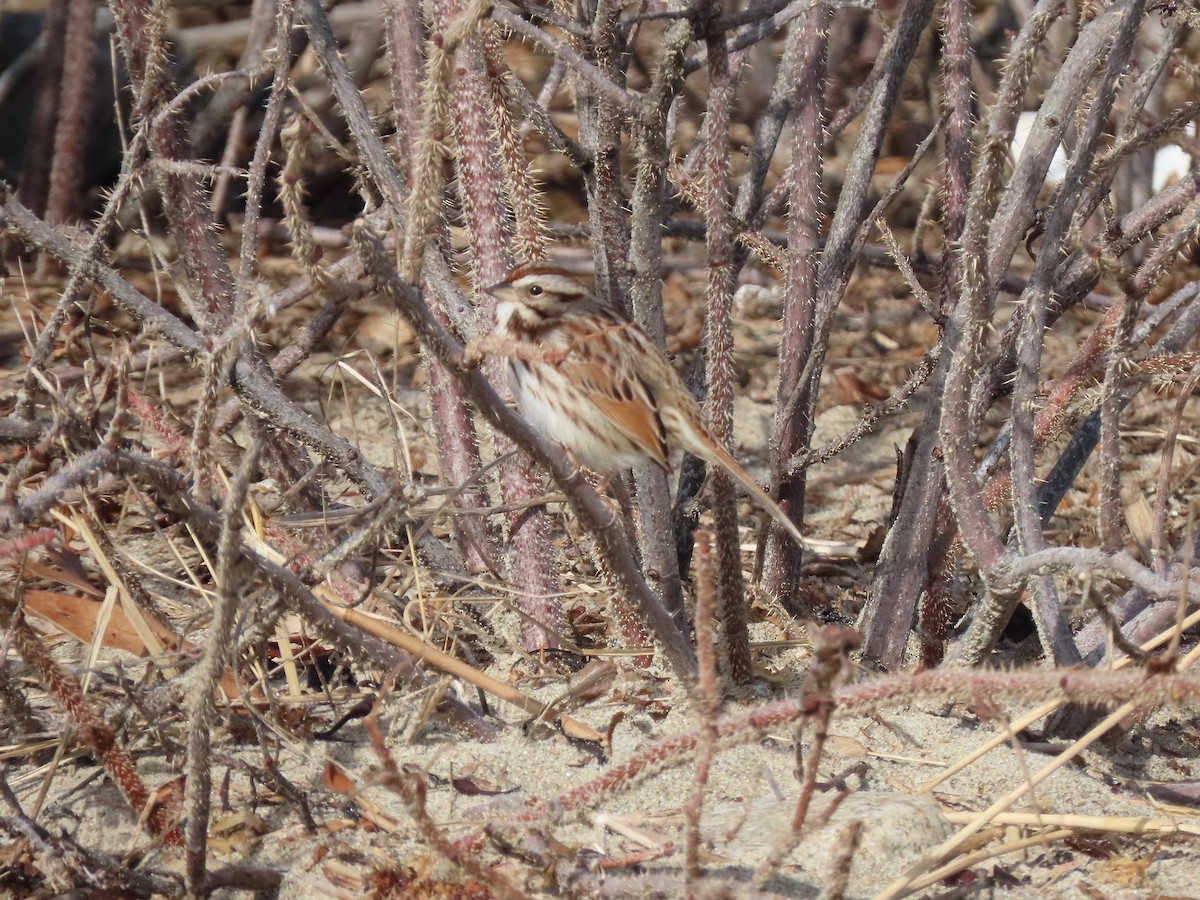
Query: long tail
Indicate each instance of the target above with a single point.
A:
(716, 455)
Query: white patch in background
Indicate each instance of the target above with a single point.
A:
(1058, 165)
(1171, 163)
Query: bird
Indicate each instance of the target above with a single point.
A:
(585, 376)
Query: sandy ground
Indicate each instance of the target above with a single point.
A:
(877, 771)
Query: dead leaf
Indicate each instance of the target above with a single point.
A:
(77, 616)
(846, 747)
(337, 780)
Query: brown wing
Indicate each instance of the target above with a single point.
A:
(625, 401)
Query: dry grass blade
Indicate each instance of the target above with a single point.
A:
(1040, 712)
(904, 883)
(444, 661)
(1113, 824)
(836, 260)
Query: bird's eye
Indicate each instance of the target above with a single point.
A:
(535, 290)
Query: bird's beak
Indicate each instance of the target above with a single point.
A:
(503, 291)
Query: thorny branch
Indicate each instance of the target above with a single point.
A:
(679, 173)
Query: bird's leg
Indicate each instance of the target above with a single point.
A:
(479, 349)
(493, 345)
(615, 504)
(599, 484)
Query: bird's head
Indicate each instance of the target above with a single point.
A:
(537, 294)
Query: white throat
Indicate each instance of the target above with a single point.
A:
(506, 310)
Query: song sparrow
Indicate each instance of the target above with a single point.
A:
(588, 378)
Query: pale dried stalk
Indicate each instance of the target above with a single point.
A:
(204, 678)
(74, 113)
(483, 197)
(141, 25)
(521, 187)
(807, 45)
(718, 328)
(424, 202)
